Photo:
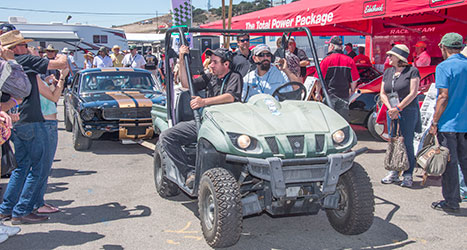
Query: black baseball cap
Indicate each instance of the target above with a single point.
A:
(337, 40)
(349, 44)
(224, 54)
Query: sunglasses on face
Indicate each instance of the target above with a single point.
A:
(245, 40)
(23, 44)
(264, 55)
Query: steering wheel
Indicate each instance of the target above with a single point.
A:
(298, 92)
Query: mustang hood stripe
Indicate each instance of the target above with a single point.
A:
(123, 100)
(140, 99)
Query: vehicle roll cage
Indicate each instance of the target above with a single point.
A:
(182, 30)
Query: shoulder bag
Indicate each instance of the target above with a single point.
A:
(396, 155)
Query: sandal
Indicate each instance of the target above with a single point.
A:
(443, 206)
(47, 209)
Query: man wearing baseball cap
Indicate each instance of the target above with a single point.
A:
(349, 50)
(340, 76)
(450, 118)
(222, 86)
(266, 78)
(422, 58)
(102, 60)
(133, 59)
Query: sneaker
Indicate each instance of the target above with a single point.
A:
(3, 237)
(407, 181)
(393, 176)
(10, 231)
(444, 206)
(190, 179)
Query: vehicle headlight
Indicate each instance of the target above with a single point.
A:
(87, 114)
(243, 141)
(338, 137)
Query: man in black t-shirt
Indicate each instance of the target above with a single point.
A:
(151, 61)
(222, 86)
(242, 61)
(29, 136)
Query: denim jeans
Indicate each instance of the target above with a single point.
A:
(51, 127)
(30, 141)
(407, 123)
(457, 145)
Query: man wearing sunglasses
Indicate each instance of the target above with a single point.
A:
(242, 62)
(266, 78)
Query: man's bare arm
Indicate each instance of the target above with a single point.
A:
(60, 62)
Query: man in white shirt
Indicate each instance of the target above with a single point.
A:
(266, 78)
(102, 60)
(422, 58)
(133, 59)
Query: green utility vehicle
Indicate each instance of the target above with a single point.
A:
(277, 154)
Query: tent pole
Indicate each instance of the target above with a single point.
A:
(223, 19)
(229, 22)
(351, 29)
(447, 17)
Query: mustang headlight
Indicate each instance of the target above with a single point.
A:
(338, 137)
(87, 114)
(243, 141)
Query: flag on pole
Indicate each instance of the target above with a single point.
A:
(181, 12)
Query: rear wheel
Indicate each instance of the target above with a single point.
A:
(80, 142)
(165, 188)
(68, 125)
(220, 208)
(355, 212)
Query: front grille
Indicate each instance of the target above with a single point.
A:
(319, 142)
(296, 142)
(272, 143)
(136, 130)
(126, 113)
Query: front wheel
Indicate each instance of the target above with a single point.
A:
(220, 208)
(355, 211)
(80, 142)
(164, 187)
(378, 131)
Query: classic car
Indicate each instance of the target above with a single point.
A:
(115, 102)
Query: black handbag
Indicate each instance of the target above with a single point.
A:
(8, 159)
(396, 155)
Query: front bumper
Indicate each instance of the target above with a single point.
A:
(126, 130)
(282, 172)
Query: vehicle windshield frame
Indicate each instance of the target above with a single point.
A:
(124, 75)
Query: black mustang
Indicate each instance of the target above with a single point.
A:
(116, 101)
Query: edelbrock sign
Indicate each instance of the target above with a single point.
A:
(374, 8)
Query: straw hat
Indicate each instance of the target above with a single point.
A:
(65, 50)
(88, 55)
(115, 47)
(50, 47)
(400, 51)
(12, 38)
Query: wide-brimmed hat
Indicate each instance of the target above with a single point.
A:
(12, 38)
(400, 51)
(88, 55)
(115, 47)
(50, 47)
(65, 50)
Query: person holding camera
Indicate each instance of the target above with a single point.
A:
(133, 59)
(399, 92)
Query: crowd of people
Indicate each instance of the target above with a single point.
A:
(37, 76)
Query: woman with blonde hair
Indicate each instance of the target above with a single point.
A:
(399, 92)
(88, 58)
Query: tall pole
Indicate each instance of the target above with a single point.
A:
(223, 19)
(229, 23)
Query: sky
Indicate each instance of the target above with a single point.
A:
(116, 6)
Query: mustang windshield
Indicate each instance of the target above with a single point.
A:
(117, 81)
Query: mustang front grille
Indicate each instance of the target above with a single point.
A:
(126, 113)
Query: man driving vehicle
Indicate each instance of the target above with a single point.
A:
(222, 86)
(266, 78)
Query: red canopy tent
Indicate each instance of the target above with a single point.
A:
(383, 21)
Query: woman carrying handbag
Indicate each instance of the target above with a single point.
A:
(399, 92)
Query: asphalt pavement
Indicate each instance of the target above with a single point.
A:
(108, 201)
